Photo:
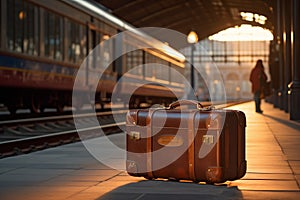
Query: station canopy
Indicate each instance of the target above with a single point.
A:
(205, 17)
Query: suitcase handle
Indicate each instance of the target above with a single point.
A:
(185, 102)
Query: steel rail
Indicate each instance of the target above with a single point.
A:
(56, 118)
(26, 145)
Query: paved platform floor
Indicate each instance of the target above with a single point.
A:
(70, 172)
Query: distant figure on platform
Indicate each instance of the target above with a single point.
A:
(258, 79)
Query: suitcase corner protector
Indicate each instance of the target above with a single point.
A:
(214, 174)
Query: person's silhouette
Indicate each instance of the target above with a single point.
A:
(258, 79)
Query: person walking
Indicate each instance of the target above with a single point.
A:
(258, 79)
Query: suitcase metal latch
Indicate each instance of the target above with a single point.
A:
(208, 139)
(134, 135)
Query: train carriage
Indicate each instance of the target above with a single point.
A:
(43, 43)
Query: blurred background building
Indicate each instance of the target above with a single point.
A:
(234, 52)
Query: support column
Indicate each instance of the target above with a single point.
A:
(191, 95)
(278, 102)
(295, 84)
(287, 54)
(283, 34)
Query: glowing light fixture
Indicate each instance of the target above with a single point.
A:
(247, 16)
(192, 37)
(22, 15)
(243, 33)
(253, 17)
(260, 19)
(106, 37)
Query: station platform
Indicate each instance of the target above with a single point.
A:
(71, 172)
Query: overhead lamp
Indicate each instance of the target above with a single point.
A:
(106, 37)
(22, 15)
(248, 16)
(192, 37)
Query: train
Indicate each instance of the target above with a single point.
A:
(44, 43)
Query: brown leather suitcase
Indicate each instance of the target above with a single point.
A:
(198, 144)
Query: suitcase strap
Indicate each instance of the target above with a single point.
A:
(149, 141)
(183, 102)
(191, 143)
(191, 148)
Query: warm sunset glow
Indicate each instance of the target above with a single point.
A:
(243, 33)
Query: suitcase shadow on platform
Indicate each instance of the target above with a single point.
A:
(160, 189)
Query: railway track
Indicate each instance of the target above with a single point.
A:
(27, 135)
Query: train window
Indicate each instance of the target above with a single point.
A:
(162, 70)
(134, 59)
(96, 38)
(76, 42)
(176, 74)
(106, 52)
(150, 70)
(103, 51)
(22, 26)
(99, 55)
(53, 36)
